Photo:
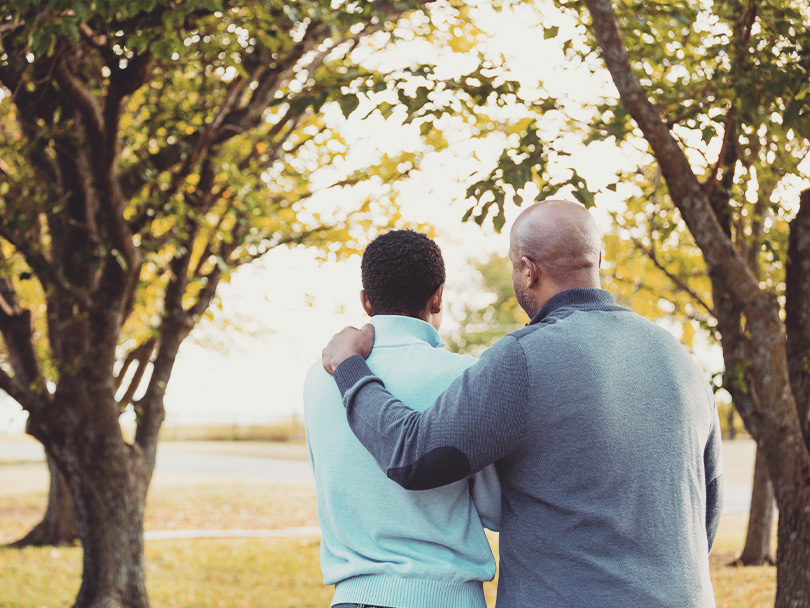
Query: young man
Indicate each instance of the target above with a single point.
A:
(381, 545)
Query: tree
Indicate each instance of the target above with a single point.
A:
(59, 525)
(149, 149)
(480, 326)
(717, 94)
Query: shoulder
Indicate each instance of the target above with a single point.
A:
(455, 361)
(318, 380)
(507, 350)
(419, 356)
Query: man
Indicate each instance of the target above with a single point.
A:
(604, 432)
(382, 545)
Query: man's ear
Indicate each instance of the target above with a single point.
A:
(530, 273)
(436, 300)
(365, 302)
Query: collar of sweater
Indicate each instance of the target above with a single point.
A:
(581, 299)
(396, 330)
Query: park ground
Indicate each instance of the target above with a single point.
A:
(275, 567)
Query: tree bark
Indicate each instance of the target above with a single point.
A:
(108, 482)
(59, 526)
(793, 554)
(757, 550)
(730, 419)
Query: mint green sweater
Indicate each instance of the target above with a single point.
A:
(381, 544)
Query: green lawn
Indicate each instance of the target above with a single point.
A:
(271, 573)
(277, 573)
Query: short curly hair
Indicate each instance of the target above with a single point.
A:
(401, 270)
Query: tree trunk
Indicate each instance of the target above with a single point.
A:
(757, 550)
(732, 429)
(108, 481)
(793, 553)
(59, 526)
(110, 501)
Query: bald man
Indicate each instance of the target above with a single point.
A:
(603, 430)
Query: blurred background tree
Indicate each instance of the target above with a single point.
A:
(475, 327)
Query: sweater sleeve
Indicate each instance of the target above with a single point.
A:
(713, 466)
(476, 421)
(485, 490)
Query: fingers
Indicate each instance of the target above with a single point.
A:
(368, 333)
(347, 343)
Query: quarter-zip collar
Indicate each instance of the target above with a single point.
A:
(581, 299)
(398, 330)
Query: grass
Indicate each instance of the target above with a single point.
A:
(291, 429)
(277, 573)
(282, 573)
(748, 587)
(286, 450)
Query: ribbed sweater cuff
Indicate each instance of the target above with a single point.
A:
(350, 372)
(399, 592)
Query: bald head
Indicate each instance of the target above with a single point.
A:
(559, 240)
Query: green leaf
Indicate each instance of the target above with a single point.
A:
(421, 97)
(301, 103)
(348, 104)
(584, 196)
(211, 5)
(550, 32)
(499, 220)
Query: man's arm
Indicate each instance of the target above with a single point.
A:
(713, 467)
(476, 421)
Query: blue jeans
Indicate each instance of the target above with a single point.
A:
(356, 606)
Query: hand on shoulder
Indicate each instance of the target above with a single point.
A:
(348, 342)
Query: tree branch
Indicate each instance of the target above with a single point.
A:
(140, 356)
(758, 217)
(48, 276)
(18, 333)
(288, 240)
(727, 156)
(79, 98)
(175, 326)
(30, 402)
(738, 378)
(267, 83)
(10, 26)
(797, 310)
(27, 386)
(100, 42)
(679, 283)
(684, 187)
(228, 121)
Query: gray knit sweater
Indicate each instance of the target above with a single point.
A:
(606, 439)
